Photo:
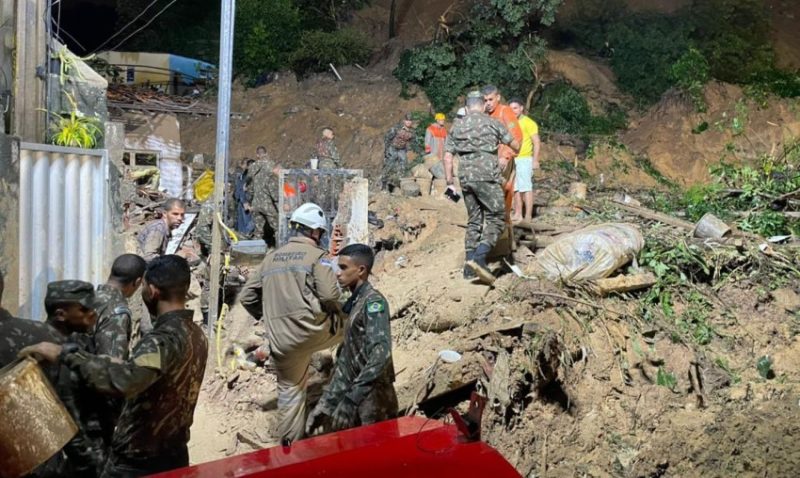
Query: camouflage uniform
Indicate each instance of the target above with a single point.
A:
(475, 139)
(395, 159)
(113, 328)
(160, 382)
(205, 221)
(327, 154)
(153, 239)
(296, 291)
(364, 374)
(111, 337)
(264, 187)
(84, 454)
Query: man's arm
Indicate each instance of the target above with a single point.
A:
(428, 141)
(448, 168)
(326, 285)
(251, 295)
(537, 146)
(152, 244)
(112, 335)
(389, 136)
(378, 345)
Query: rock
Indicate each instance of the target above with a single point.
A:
(787, 299)
(410, 189)
(436, 323)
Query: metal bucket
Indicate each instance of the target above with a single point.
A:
(35, 423)
(711, 227)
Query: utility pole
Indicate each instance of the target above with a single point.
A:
(31, 41)
(221, 166)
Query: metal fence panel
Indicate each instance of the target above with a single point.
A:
(65, 220)
(320, 186)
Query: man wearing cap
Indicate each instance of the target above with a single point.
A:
(395, 154)
(475, 139)
(296, 293)
(70, 309)
(435, 136)
(160, 382)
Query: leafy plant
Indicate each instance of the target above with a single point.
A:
(691, 73)
(497, 44)
(318, 48)
(266, 35)
(666, 379)
(75, 129)
(563, 109)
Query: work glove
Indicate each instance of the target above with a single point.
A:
(316, 419)
(345, 415)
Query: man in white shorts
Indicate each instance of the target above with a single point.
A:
(526, 162)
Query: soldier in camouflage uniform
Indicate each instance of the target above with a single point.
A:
(112, 332)
(155, 236)
(263, 206)
(160, 382)
(325, 151)
(70, 313)
(361, 391)
(395, 160)
(475, 139)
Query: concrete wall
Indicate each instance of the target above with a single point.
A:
(9, 220)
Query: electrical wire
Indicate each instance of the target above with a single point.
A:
(125, 27)
(145, 25)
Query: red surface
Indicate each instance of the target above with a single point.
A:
(406, 447)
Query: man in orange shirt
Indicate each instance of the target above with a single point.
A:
(504, 114)
(435, 136)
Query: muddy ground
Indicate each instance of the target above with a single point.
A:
(605, 409)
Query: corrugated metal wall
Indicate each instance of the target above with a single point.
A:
(64, 220)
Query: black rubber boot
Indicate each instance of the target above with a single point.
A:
(479, 265)
(469, 274)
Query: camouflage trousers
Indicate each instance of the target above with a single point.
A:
(395, 162)
(486, 210)
(266, 227)
(379, 405)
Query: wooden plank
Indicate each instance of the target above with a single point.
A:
(655, 216)
(28, 116)
(624, 283)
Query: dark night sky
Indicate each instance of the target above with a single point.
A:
(90, 22)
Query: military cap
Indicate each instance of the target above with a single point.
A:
(61, 291)
(409, 117)
(475, 94)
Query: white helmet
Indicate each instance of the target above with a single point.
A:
(311, 216)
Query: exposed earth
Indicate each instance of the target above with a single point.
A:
(594, 386)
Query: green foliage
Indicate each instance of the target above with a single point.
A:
(563, 109)
(753, 189)
(691, 73)
(644, 49)
(266, 34)
(728, 40)
(735, 37)
(318, 48)
(496, 45)
(666, 379)
(75, 130)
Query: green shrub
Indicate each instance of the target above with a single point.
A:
(266, 35)
(317, 49)
(644, 49)
(563, 109)
(691, 73)
(497, 44)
